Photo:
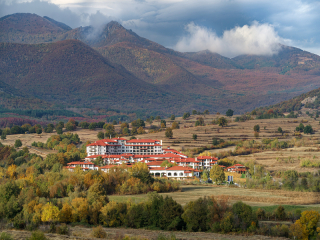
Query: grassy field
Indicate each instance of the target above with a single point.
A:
(253, 197)
(80, 232)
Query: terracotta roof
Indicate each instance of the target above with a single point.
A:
(155, 163)
(78, 163)
(118, 139)
(206, 157)
(108, 166)
(238, 165)
(142, 145)
(95, 156)
(180, 168)
(157, 168)
(142, 140)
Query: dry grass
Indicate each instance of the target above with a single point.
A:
(82, 233)
(285, 197)
(253, 197)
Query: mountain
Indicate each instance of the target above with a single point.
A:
(113, 67)
(71, 72)
(30, 28)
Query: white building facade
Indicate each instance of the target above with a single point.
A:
(118, 146)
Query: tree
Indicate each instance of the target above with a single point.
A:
(12, 171)
(3, 136)
(169, 133)
(175, 125)
(125, 131)
(39, 131)
(65, 215)
(110, 131)
(167, 164)
(186, 115)
(59, 130)
(79, 209)
(98, 161)
(222, 122)
(280, 130)
(92, 126)
(306, 226)
(124, 125)
(229, 113)
(256, 128)
(217, 174)
(140, 170)
(205, 175)
(17, 143)
(50, 213)
(138, 123)
(141, 130)
(308, 129)
(163, 123)
(194, 136)
(134, 131)
(206, 112)
(84, 125)
(173, 117)
(71, 125)
(16, 130)
(114, 122)
(300, 128)
(100, 135)
(194, 112)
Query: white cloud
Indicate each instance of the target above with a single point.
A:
(257, 39)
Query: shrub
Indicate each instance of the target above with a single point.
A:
(17, 143)
(98, 232)
(63, 229)
(256, 128)
(280, 231)
(37, 235)
(226, 223)
(280, 213)
(5, 236)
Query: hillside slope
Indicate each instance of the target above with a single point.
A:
(71, 72)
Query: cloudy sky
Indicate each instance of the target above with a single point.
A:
(228, 27)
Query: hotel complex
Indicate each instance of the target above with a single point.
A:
(119, 151)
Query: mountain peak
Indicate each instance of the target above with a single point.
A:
(29, 28)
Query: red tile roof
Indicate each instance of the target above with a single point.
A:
(206, 157)
(78, 163)
(155, 163)
(108, 166)
(142, 140)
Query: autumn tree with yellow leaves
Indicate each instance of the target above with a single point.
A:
(306, 226)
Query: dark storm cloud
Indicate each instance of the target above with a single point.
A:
(168, 22)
